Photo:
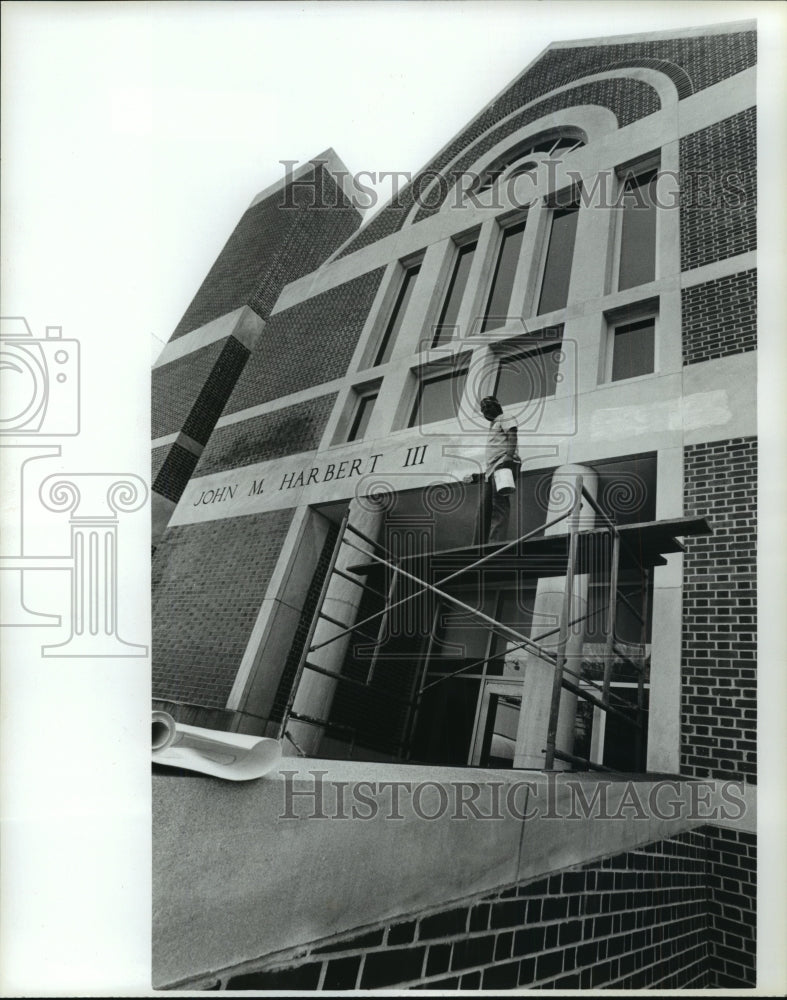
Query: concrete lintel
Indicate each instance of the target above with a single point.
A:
(719, 269)
(243, 324)
(178, 437)
(281, 402)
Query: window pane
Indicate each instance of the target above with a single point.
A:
(503, 281)
(638, 232)
(632, 351)
(399, 309)
(362, 416)
(516, 611)
(439, 398)
(557, 271)
(619, 746)
(528, 376)
(500, 731)
(453, 299)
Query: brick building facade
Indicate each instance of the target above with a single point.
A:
(586, 249)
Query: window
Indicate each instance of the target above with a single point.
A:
(614, 737)
(363, 413)
(560, 254)
(453, 297)
(638, 231)
(503, 281)
(397, 314)
(526, 156)
(438, 397)
(529, 375)
(633, 349)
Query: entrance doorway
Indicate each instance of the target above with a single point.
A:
(497, 722)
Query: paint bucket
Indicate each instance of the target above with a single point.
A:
(504, 481)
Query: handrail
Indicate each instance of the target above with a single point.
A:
(499, 626)
(581, 686)
(591, 764)
(366, 538)
(560, 659)
(358, 583)
(600, 510)
(577, 690)
(352, 680)
(288, 708)
(505, 652)
(612, 526)
(442, 580)
(631, 607)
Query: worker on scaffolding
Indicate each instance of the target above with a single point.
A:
(501, 467)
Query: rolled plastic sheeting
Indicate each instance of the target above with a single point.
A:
(163, 730)
(232, 756)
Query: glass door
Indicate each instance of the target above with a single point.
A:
(498, 721)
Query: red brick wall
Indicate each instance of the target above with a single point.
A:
(188, 395)
(731, 865)
(275, 242)
(175, 472)
(628, 100)
(650, 918)
(209, 582)
(692, 63)
(718, 696)
(157, 457)
(176, 386)
(308, 344)
(270, 435)
(718, 191)
(719, 317)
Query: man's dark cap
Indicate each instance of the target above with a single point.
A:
(490, 399)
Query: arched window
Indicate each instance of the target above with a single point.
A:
(525, 156)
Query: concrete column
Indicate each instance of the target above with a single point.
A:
(416, 331)
(471, 311)
(528, 278)
(538, 674)
(593, 245)
(316, 691)
(666, 632)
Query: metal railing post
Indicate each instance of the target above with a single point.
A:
(313, 626)
(609, 638)
(383, 626)
(419, 681)
(560, 659)
(640, 747)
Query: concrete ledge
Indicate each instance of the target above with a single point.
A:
(244, 870)
(242, 323)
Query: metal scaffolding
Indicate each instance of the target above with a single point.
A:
(641, 546)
